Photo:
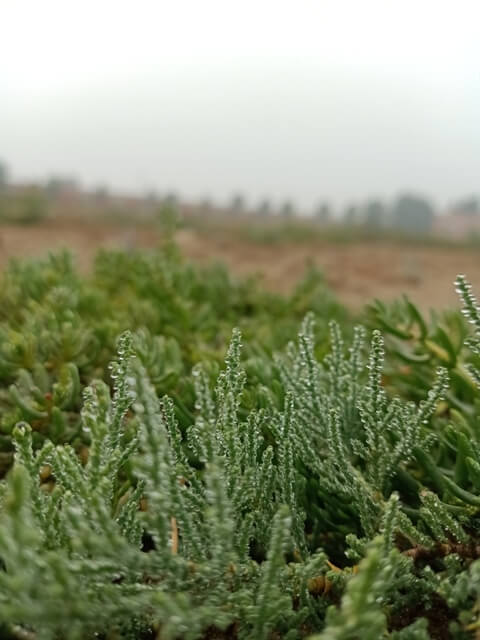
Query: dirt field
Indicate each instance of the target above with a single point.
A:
(356, 272)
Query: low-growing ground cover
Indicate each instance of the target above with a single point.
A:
(325, 484)
(58, 329)
(356, 270)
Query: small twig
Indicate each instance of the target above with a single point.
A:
(174, 530)
(441, 550)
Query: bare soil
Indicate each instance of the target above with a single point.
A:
(357, 272)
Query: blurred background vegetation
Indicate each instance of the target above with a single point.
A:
(407, 216)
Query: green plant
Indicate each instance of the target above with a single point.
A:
(331, 487)
(58, 330)
(28, 206)
(330, 507)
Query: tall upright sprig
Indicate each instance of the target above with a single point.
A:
(471, 311)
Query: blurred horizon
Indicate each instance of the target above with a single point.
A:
(280, 100)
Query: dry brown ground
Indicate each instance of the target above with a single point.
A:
(357, 272)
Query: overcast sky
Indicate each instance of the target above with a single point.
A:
(340, 99)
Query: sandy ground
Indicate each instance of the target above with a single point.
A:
(356, 272)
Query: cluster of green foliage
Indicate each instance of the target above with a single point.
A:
(298, 490)
(58, 330)
(280, 231)
(28, 206)
(417, 346)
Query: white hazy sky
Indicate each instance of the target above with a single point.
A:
(340, 99)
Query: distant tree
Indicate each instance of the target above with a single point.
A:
(58, 185)
(323, 213)
(350, 215)
(151, 197)
(171, 199)
(29, 206)
(101, 194)
(167, 217)
(237, 204)
(205, 205)
(3, 175)
(264, 208)
(375, 214)
(469, 206)
(413, 214)
(287, 210)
